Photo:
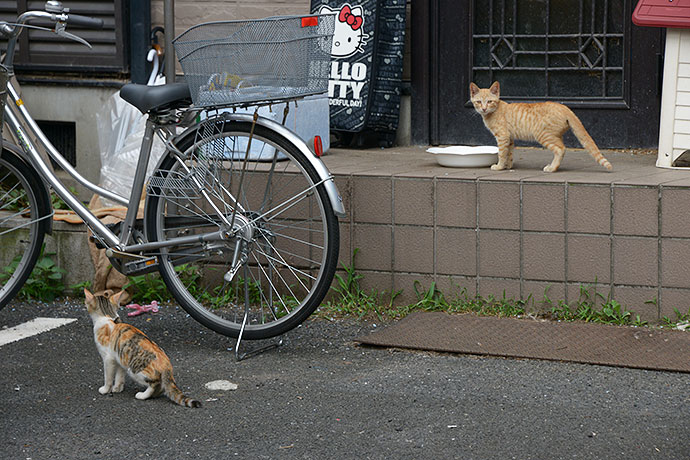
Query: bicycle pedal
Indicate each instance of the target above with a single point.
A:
(141, 265)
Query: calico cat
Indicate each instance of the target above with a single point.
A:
(545, 122)
(123, 347)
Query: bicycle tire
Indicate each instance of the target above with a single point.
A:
(292, 256)
(24, 221)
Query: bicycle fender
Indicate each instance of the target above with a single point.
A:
(42, 194)
(328, 182)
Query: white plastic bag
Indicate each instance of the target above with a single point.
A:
(120, 131)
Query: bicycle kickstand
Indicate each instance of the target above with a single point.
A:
(240, 356)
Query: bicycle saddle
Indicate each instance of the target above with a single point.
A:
(150, 98)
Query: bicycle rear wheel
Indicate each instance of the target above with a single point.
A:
(24, 220)
(281, 262)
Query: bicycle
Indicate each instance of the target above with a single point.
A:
(240, 217)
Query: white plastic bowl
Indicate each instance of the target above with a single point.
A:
(463, 156)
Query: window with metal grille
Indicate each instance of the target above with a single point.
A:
(568, 50)
(43, 50)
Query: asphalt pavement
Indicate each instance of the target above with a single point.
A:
(322, 396)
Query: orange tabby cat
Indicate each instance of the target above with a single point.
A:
(123, 347)
(544, 122)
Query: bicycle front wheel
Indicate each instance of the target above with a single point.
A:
(23, 223)
(279, 259)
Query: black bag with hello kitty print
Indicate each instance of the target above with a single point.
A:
(366, 65)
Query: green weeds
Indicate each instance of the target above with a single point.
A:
(58, 202)
(151, 286)
(44, 282)
(681, 321)
(433, 299)
(351, 300)
(148, 287)
(586, 309)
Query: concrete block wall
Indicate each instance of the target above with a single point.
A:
(77, 104)
(501, 234)
(521, 232)
(69, 247)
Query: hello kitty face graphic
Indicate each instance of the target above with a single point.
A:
(349, 36)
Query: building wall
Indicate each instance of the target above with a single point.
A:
(76, 104)
(191, 12)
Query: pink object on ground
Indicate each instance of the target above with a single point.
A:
(139, 309)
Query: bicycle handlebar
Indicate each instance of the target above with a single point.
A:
(59, 16)
(65, 18)
(84, 21)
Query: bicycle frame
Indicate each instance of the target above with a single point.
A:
(27, 132)
(23, 125)
(224, 216)
(20, 121)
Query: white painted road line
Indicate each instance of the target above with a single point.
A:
(33, 327)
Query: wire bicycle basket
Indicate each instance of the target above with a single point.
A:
(236, 62)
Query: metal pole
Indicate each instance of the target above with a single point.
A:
(140, 40)
(169, 25)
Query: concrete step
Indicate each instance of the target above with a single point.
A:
(521, 232)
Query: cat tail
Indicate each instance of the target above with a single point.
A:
(172, 391)
(587, 141)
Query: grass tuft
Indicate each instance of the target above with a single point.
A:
(351, 300)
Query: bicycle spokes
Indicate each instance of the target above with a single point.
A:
(268, 207)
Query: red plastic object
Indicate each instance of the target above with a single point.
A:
(662, 13)
(318, 146)
(310, 21)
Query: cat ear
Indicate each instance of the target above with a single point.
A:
(474, 89)
(88, 294)
(495, 89)
(115, 298)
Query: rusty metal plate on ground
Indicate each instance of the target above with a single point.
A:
(642, 347)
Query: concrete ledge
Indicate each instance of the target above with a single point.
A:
(520, 232)
(70, 245)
